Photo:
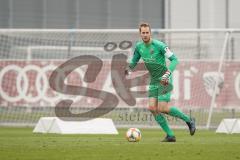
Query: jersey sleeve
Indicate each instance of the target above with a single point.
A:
(171, 56)
(135, 59)
(174, 62)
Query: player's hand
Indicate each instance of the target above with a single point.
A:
(165, 78)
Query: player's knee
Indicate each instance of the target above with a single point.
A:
(152, 109)
(163, 109)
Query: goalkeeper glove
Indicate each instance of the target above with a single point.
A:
(165, 78)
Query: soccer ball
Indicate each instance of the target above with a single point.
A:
(133, 135)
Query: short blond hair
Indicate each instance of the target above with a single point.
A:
(144, 24)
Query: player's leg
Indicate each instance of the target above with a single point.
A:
(175, 112)
(164, 107)
(160, 118)
(152, 102)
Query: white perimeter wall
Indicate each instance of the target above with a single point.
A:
(213, 14)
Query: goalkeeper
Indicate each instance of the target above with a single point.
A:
(153, 53)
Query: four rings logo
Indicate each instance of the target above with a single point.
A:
(29, 83)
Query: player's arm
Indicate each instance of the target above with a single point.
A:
(172, 66)
(174, 60)
(136, 57)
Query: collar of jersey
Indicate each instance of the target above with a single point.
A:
(148, 44)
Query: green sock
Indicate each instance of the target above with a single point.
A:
(175, 112)
(161, 120)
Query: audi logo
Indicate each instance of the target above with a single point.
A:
(30, 83)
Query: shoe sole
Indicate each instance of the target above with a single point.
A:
(169, 140)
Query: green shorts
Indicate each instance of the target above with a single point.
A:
(157, 91)
(153, 92)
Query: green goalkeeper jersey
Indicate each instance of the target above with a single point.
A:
(154, 54)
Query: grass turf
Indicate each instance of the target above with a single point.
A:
(21, 143)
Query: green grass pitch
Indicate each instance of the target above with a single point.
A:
(21, 143)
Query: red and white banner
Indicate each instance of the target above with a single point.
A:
(27, 84)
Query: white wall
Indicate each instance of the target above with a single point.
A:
(234, 13)
(213, 14)
(184, 14)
